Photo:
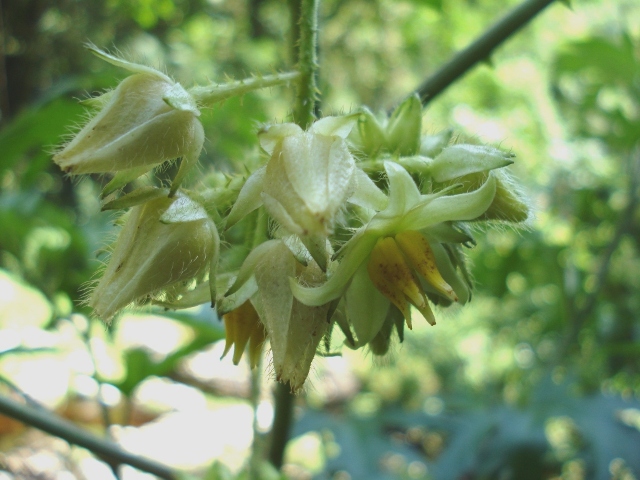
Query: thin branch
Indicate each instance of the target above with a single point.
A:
(54, 425)
(480, 49)
(625, 221)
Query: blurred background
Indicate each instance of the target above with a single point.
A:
(538, 378)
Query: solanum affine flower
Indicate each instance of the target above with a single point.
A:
(398, 257)
(163, 243)
(307, 181)
(294, 329)
(147, 120)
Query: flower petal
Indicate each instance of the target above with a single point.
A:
(366, 308)
(271, 135)
(335, 126)
(366, 194)
(248, 199)
(403, 192)
(463, 206)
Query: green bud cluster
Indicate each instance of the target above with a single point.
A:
(313, 239)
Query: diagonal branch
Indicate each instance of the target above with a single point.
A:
(54, 425)
(625, 221)
(480, 49)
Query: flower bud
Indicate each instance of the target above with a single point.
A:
(163, 243)
(145, 121)
(399, 135)
(460, 160)
(509, 203)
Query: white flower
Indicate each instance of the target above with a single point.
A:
(293, 328)
(398, 258)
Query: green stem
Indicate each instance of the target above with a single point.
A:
(54, 425)
(211, 94)
(304, 115)
(282, 421)
(480, 49)
(304, 112)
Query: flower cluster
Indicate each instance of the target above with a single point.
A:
(354, 223)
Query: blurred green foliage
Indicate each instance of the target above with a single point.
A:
(540, 376)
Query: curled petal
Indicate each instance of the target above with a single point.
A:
(463, 206)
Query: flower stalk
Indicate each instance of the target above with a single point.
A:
(211, 94)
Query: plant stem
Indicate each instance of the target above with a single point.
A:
(307, 64)
(211, 94)
(282, 420)
(480, 49)
(304, 115)
(54, 425)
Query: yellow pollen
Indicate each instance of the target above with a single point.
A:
(390, 274)
(243, 326)
(419, 254)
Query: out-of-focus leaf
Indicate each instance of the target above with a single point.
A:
(34, 133)
(140, 364)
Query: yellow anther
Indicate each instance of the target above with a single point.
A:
(392, 276)
(420, 256)
(243, 326)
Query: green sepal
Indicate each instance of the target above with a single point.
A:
(119, 62)
(136, 197)
(121, 178)
(404, 127)
(178, 98)
(183, 209)
(460, 160)
(99, 101)
(432, 145)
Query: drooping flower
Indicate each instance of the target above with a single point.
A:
(163, 243)
(294, 329)
(147, 120)
(399, 258)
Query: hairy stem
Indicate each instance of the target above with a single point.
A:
(211, 94)
(307, 64)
